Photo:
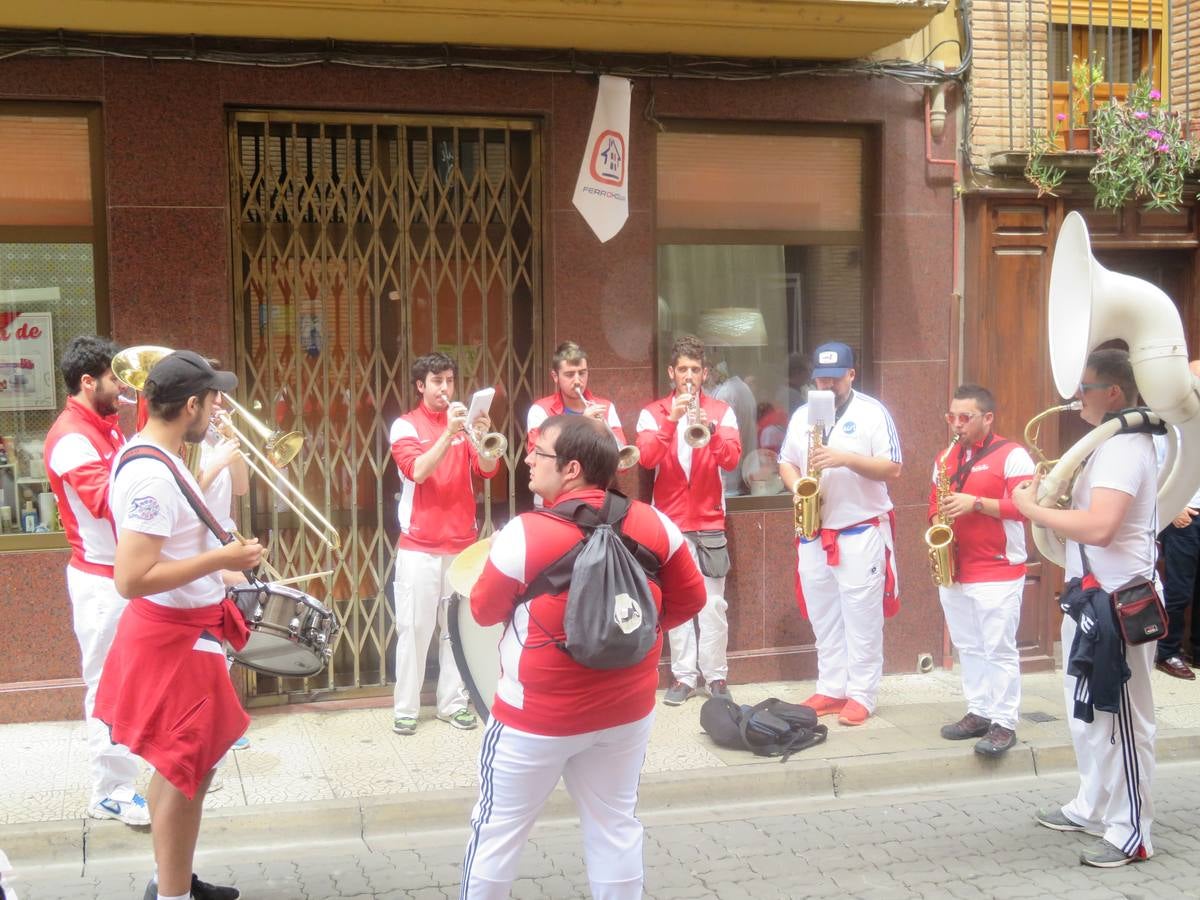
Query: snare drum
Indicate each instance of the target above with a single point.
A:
(291, 633)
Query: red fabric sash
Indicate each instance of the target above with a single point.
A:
(223, 620)
(829, 543)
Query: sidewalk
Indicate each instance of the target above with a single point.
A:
(323, 770)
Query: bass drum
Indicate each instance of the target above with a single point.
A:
(476, 647)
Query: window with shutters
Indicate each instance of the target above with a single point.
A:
(51, 290)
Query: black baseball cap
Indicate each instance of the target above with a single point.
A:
(184, 374)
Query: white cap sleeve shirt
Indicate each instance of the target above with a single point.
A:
(145, 498)
(865, 428)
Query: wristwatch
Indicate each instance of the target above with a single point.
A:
(978, 505)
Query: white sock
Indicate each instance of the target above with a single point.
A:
(162, 896)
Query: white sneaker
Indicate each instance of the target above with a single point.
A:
(131, 812)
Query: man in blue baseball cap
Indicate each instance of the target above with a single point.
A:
(847, 583)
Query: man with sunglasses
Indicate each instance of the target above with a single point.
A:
(983, 605)
(1109, 530)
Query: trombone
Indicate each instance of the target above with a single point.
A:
(627, 455)
(132, 367)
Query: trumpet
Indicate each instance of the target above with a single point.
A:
(489, 446)
(132, 367)
(695, 434)
(627, 455)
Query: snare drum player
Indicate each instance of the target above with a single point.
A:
(689, 490)
(437, 520)
(79, 452)
(165, 692)
(553, 717)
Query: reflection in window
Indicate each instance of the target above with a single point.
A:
(760, 309)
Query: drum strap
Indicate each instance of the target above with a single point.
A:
(195, 501)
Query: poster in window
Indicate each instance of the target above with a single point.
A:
(27, 371)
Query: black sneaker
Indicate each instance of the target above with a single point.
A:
(969, 726)
(719, 688)
(996, 742)
(201, 890)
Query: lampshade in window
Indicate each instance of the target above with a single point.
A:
(733, 326)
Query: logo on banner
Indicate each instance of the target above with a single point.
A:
(608, 158)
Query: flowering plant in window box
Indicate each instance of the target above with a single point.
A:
(1141, 152)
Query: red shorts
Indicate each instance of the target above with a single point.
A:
(165, 691)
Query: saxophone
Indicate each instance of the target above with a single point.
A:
(939, 537)
(806, 492)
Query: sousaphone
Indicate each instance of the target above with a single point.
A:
(1090, 305)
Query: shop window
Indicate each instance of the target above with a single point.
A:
(763, 264)
(49, 201)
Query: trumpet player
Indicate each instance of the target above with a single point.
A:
(687, 439)
(437, 520)
(972, 490)
(569, 373)
(847, 575)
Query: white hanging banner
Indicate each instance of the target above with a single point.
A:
(601, 192)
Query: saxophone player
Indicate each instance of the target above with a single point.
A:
(847, 577)
(972, 489)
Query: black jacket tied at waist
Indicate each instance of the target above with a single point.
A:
(1097, 655)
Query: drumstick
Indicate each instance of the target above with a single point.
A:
(303, 577)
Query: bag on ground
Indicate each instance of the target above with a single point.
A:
(770, 728)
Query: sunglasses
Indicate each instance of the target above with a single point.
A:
(961, 418)
(1093, 385)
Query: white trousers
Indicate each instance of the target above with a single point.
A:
(421, 594)
(1115, 755)
(983, 618)
(845, 607)
(517, 772)
(96, 608)
(691, 658)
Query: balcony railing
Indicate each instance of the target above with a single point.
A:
(1043, 66)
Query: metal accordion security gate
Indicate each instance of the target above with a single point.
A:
(361, 242)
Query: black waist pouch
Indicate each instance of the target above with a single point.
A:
(1140, 613)
(712, 552)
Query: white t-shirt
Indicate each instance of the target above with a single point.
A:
(1125, 463)
(865, 428)
(219, 494)
(145, 498)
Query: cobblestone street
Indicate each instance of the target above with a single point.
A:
(966, 845)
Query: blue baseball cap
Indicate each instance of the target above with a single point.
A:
(832, 360)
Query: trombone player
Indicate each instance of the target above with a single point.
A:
(687, 439)
(972, 489)
(436, 459)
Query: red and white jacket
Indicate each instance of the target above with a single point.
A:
(554, 406)
(437, 515)
(988, 549)
(79, 452)
(541, 689)
(687, 481)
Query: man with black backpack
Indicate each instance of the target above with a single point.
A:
(578, 659)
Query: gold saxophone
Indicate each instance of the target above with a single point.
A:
(939, 537)
(806, 492)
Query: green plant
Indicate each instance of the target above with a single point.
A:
(1141, 152)
(1085, 76)
(1040, 172)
